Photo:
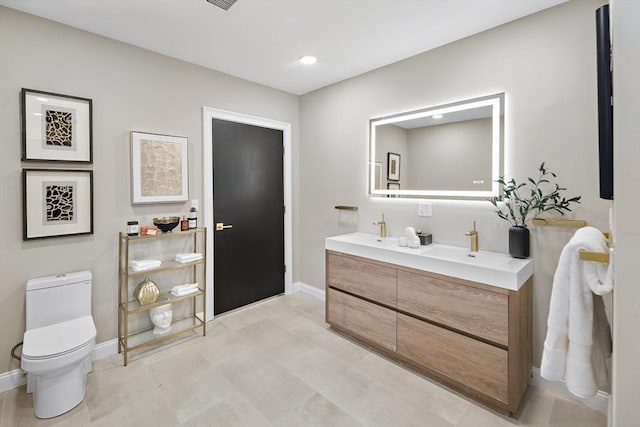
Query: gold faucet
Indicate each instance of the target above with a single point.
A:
(383, 227)
(474, 238)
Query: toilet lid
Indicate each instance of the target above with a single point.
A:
(59, 338)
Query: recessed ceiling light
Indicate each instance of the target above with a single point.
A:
(437, 116)
(308, 60)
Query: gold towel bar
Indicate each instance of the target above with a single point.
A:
(594, 256)
(584, 255)
(560, 222)
(347, 208)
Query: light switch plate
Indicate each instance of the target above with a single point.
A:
(424, 209)
(195, 203)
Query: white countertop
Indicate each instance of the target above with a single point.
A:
(490, 268)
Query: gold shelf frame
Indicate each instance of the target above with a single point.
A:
(346, 208)
(602, 257)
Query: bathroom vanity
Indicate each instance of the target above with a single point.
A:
(462, 320)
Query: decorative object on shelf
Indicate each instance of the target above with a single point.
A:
(56, 127)
(393, 167)
(132, 228)
(147, 292)
(166, 223)
(161, 318)
(525, 201)
(159, 168)
(56, 202)
(184, 224)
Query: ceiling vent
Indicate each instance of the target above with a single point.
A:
(223, 4)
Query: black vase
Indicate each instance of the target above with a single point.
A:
(519, 241)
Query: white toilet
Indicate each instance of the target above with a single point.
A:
(58, 342)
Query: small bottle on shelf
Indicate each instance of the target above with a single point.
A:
(184, 224)
(193, 219)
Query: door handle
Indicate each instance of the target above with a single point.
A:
(220, 226)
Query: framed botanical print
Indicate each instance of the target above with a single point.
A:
(159, 168)
(56, 202)
(393, 167)
(56, 127)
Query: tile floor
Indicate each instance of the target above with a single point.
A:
(277, 364)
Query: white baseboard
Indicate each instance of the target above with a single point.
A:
(105, 349)
(12, 379)
(308, 289)
(600, 402)
(16, 377)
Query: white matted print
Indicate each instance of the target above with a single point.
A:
(159, 168)
(56, 127)
(57, 202)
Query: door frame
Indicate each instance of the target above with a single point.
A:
(208, 114)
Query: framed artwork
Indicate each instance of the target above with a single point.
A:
(159, 172)
(56, 202)
(56, 127)
(393, 167)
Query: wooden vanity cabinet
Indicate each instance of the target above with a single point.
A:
(472, 337)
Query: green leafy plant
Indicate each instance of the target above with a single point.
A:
(528, 200)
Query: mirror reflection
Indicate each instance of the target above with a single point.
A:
(451, 150)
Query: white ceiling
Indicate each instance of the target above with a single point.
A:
(261, 40)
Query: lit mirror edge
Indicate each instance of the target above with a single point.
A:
(496, 100)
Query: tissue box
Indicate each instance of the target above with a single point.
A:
(425, 239)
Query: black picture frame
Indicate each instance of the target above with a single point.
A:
(56, 127)
(393, 166)
(56, 203)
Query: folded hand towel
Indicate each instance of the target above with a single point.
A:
(187, 286)
(578, 337)
(189, 257)
(180, 290)
(142, 262)
(145, 264)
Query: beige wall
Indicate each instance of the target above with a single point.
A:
(132, 89)
(546, 65)
(626, 299)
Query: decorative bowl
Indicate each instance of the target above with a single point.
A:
(166, 223)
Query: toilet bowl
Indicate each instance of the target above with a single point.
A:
(59, 342)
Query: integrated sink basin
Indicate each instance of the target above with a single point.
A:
(491, 268)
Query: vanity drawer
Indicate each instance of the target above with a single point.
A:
(364, 319)
(476, 311)
(366, 279)
(473, 363)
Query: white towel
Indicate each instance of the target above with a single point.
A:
(188, 257)
(181, 290)
(145, 264)
(578, 334)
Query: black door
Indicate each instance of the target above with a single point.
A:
(248, 210)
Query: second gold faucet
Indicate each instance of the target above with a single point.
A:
(383, 227)
(474, 238)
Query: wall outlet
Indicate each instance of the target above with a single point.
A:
(195, 203)
(424, 209)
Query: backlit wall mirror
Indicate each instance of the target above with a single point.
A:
(447, 151)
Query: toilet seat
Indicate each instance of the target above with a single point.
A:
(59, 339)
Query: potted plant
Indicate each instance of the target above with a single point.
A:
(528, 200)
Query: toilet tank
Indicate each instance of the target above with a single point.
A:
(55, 299)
